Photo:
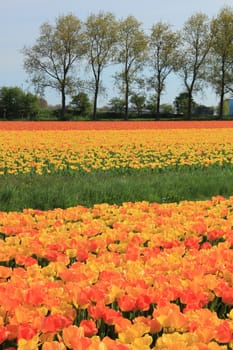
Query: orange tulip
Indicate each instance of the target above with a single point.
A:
(74, 338)
(53, 323)
(143, 302)
(224, 333)
(25, 331)
(89, 327)
(54, 345)
(126, 303)
(3, 334)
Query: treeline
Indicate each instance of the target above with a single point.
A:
(16, 104)
(200, 53)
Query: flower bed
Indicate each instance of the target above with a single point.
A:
(69, 151)
(137, 276)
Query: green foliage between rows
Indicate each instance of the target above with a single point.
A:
(62, 191)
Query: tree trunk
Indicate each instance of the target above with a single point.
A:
(95, 102)
(127, 101)
(222, 93)
(158, 105)
(158, 95)
(63, 104)
(189, 111)
(126, 94)
(221, 105)
(97, 82)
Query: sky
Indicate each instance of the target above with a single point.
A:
(20, 22)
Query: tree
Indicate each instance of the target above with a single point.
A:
(51, 61)
(221, 59)
(138, 101)
(30, 106)
(131, 53)
(10, 101)
(151, 105)
(167, 108)
(194, 48)
(81, 104)
(181, 103)
(43, 102)
(100, 38)
(117, 105)
(163, 44)
(15, 103)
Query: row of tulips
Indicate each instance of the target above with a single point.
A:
(49, 151)
(114, 125)
(138, 276)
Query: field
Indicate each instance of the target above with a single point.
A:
(116, 235)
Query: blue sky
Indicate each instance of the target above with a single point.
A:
(20, 21)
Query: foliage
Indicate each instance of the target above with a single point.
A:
(201, 53)
(100, 39)
(182, 102)
(167, 108)
(16, 104)
(130, 54)
(117, 105)
(221, 59)
(81, 104)
(195, 45)
(138, 102)
(51, 61)
(163, 43)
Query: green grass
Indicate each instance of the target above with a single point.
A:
(62, 191)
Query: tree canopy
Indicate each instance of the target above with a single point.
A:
(200, 53)
(163, 44)
(130, 54)
(194, 47)
(50, 62)
(221, 59)
(100, 38)
(17, 104)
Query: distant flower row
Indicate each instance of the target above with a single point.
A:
(134, 277)
(114, 125)
(49, 151)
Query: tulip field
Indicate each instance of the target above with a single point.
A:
(70, 150)
(138, 275)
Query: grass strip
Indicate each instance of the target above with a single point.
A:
(63, 191)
